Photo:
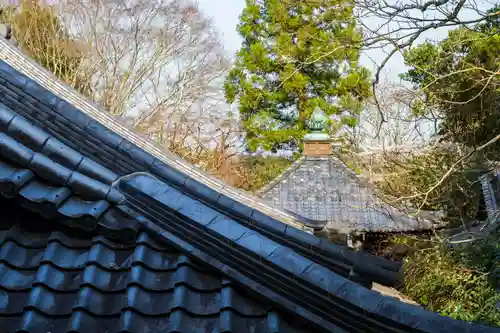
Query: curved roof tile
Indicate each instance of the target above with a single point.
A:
(125, 236)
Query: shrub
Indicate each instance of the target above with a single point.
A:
(262, 170)
(249, 173)
(454, 281)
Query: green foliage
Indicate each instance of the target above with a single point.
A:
(263, 170)
(454, 282)
(459, 79)
(295, 56)
(483, 255)
(353, 168)
(457, 195)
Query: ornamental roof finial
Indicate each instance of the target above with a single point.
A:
(317, 121)
(316, 126)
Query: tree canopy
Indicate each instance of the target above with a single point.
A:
(459, 81)
(455, 81)
(296, 56)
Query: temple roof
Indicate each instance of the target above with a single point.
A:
(62, 280)
(102, 231)
(323, 189)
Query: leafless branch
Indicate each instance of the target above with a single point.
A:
(396, 25)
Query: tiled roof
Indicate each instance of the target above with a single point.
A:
(57, 149)
(47, 176)
(74, 116)
(489, 187)
(54, 281)
(325, 189)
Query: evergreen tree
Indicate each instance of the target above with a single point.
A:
(296, 55)
(459, 82)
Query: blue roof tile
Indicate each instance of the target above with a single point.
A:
(135, 153)
(232, 230)
(116, 249)
(259, 245)
(92, 283)
(109, 137)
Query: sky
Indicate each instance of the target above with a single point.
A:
(225, 14)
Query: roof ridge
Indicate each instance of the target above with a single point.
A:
(48, 177)
(265, 265)
(124, 153)
(146, 150)
(95, 286)
(285, 174)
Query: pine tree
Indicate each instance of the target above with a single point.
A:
(296, 55)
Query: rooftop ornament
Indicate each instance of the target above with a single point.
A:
(316, 126)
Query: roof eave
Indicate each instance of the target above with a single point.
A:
(156, 159)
